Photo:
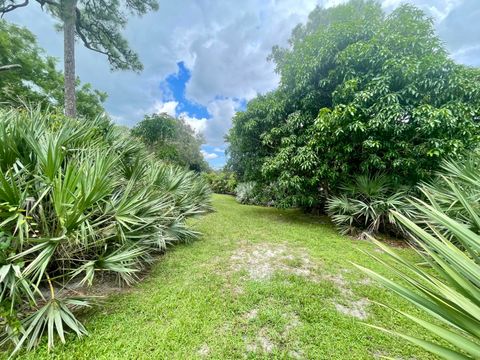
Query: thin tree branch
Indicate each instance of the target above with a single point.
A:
(48, 2)
(12, 7)
(10, 67)
(82, 36)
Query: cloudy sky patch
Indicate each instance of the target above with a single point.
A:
(205, 59)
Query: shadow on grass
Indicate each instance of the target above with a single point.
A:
(288, 216)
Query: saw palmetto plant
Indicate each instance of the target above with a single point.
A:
(78, 198)
(365, 204)
(456, 192)
(445, 234)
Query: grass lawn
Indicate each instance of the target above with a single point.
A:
(261, 283)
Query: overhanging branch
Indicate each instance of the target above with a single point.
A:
(48, 2)
(10, 67)
(12, 7)
(82, 36)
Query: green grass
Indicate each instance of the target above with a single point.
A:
(198, 302)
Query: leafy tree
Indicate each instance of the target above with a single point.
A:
(247, 151)
(98, 24)
(36, 80)
(222, 182)
(360, 93)
(172, 140)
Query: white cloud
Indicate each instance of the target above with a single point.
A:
(225, 46)
(230, 56)
(215, 128)
(198, 125)
(222, 112)
(330, 3)
(169, 107)
(468, 55)
(391, 3)
(208, 156)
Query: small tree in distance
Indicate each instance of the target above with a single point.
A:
(172, 140)
(97, 23)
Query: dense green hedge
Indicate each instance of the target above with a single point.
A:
(361, 93)
(222, 182)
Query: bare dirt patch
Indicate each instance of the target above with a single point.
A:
(296, 354)
(261, 344)
(293, 322)
(262, 261)
(102, 287)
(365, 281)
(264, 343)
(357, 309)
(252, 314)
(204, 351)
(349, 306)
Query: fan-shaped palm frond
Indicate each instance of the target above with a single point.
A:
(78, 197)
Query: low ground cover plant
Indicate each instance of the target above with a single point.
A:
(79, 198)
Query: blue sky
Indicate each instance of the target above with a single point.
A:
(174, 90)
(204, 59)
(177, 104)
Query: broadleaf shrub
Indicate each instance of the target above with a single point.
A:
(171, 140)
(79, 198)
(361, 92)
(222, 182)
(256, 194)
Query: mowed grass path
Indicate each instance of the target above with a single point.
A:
(261, 283)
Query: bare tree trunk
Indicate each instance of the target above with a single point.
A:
(69, 18)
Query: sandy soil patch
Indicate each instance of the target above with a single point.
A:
(262, 261)
(347, 305)
(204, 351)
(263, 343)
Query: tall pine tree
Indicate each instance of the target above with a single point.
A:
(98, 24)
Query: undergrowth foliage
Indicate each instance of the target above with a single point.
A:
(79, 198)
(456, 191)
(245, 193)
(254, 193)
(366, 205)
(222, 182)
(445, 230)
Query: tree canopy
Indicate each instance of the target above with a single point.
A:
(37, 80)
(171, 140)
(98, 24)
(361, 92)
